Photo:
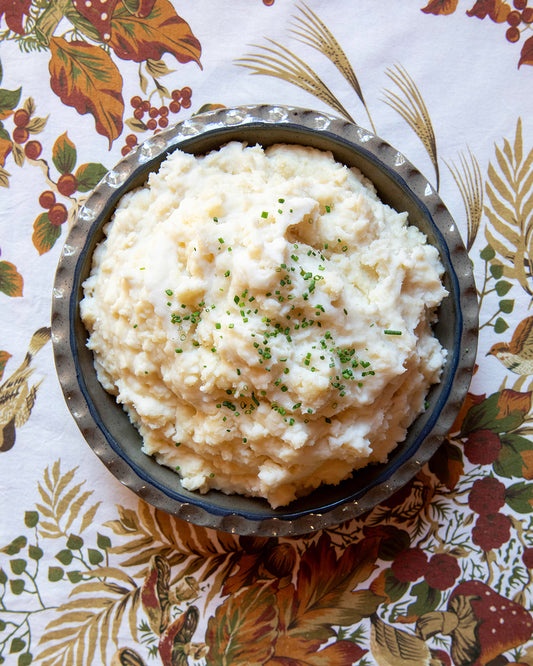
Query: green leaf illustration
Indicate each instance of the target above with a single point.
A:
(64, 556)
(45, 233)
(519, 497)
(89, 175)
(17, 645)
(31, 518)
(15, 546)
(18, 566)
(8, 100)
(64, 154)
(55, 574)
(427, 599)
(11, 282)
(510, 462)
(17, 586)
(35, 552)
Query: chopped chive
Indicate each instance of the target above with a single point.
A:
(264, 214)
(169, 292)
(389, 331)
(281, 200)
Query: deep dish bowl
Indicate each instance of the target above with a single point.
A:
(107, 428)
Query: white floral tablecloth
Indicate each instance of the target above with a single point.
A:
(441, 572)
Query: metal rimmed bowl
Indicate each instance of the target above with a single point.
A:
(107, 428)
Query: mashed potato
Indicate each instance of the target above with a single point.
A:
(264, 319)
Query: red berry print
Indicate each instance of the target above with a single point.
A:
(512, 35)
(67, 184)
(163, 122)
(33, 149)
(514, 18)
(186, 103)
(136, 102)
(151, 124)
(491, 531)
(442, 571)
(486, 496)
(482, 447)
(163, 111)
(131, 140)
(520, 4)
(21, 118)
(268, 3)
(125, 150)
(527, 15)
(57, 214)
(174, 107)
(409, 565)
(527, 557)
(47, 199)
(20, 135)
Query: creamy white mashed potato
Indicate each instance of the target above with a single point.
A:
(264, 319)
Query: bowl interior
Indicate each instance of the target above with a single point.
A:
(121, 442)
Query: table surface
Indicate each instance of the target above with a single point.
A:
(438, 574)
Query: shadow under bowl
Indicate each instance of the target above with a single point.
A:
(107, 428)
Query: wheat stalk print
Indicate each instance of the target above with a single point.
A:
(470, 183)
(509, 212)
(281, 63)
(316, 34)
(413, 110)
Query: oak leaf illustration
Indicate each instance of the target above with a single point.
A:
(11, 281)
(84, 77)
(140, 38)
(526, 55)
(13, 12)
(495, 9)
(243, 629)
(440, 7)
(324, 595)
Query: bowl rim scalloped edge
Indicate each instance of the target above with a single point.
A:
(159, 145)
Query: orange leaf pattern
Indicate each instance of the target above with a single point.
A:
(85, 77)
(139, 38)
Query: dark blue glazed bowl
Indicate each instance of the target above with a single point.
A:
(107, 428)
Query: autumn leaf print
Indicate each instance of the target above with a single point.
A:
(440, 7)
(11, 282)
(244, 628)
(494, 9)
(139, 38)
(85, 77)
(526, 55)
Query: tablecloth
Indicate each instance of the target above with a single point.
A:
(438, 574)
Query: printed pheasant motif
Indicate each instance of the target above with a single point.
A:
(17, 397)
(517, 355)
